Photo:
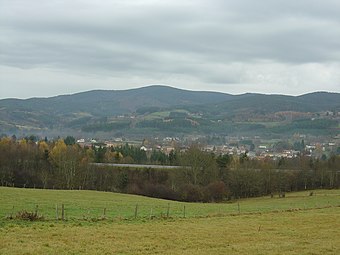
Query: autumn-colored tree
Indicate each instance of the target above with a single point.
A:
(44, 171)
(66, 159)
(6, 163)
(199, 167)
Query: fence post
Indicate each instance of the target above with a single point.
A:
(136, 211)
(238, 207)
(62, 212)
(168, 211)
(105, 212)
(56, 212)
(36, 209)
(151, 213)
(184, 211)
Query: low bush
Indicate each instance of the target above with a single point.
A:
(26, 215)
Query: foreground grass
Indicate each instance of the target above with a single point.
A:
(297, 224)
(91, 204)
(315, 231)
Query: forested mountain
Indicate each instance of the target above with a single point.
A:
(160, 108)
(111, 102)
(266, 104)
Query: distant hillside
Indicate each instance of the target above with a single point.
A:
(158, 109)
(264, 104)
(111, 102)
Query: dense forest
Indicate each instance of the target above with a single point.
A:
(202, 176)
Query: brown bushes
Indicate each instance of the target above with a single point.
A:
(26, 215)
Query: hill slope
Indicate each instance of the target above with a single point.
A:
(110, 102)
(294, 224)
(313, 102)
(97, 110)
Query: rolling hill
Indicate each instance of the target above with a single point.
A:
(156, 108)
(112, 102)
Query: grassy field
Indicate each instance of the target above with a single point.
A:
(91, 204)
(297, 224)
(157, 115)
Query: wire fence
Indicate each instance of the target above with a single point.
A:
(66, 212)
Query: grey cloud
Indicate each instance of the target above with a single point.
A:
(212, 41)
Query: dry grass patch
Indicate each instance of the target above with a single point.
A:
(300, 232)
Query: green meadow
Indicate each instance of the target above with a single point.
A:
(80, 204)
(296, 224)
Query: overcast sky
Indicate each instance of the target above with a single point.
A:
(51, 47)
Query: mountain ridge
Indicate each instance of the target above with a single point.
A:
(169, 87)
(101, 107)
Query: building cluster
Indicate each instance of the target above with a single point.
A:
(254, 147)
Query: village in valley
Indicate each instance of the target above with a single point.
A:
(253, 147)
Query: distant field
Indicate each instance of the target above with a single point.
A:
(162, 114)
(264, 226)
(157, 115)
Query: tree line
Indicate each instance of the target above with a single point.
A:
(203, 176)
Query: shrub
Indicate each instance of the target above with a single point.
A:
(215, 191)
(192, 193)
(26, 215)
(159, 191)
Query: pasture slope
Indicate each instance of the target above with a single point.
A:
(296, 224)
